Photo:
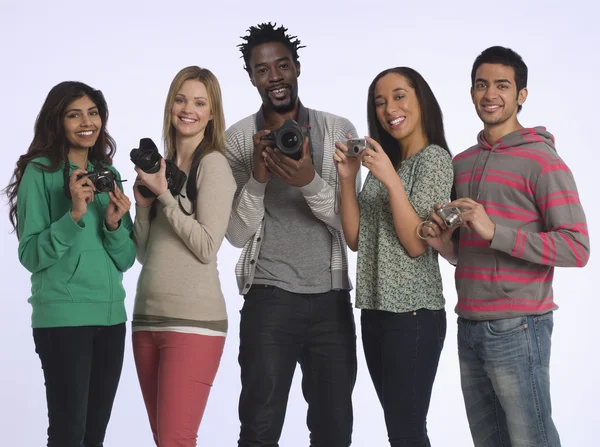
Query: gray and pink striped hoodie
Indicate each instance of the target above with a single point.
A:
(530, 194)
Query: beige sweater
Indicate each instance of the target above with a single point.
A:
(178, 288)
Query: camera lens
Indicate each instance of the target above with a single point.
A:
(289, 140)
(356, 149)
(104, 184)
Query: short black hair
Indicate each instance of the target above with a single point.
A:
(266, 33)
(504, 56)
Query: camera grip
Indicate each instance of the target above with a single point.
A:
(145, 192)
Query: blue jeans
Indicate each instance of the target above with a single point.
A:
(504, 369)
(402, 351)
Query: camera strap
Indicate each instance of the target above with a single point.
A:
(302, 119)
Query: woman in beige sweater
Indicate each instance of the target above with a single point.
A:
(180, 319)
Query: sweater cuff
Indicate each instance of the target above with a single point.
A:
(117, 237)
(167, 199)
(65, 227)
(255, 188)
(504, 239)
(314, 187)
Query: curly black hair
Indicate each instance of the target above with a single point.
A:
(265, 33)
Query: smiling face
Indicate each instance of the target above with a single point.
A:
(397, 108)
(495, 95)
(275, 76)
(191, 111)
(82, 123)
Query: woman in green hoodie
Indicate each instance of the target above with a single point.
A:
(74, 228)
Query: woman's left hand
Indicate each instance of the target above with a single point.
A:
(157, 182)
(376, 160)
(116, 209)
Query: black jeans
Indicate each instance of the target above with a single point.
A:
(82, 368)
(402, 351)
(279, 329)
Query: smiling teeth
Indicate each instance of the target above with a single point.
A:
(85, 133)
(279, 90)
(397, 121)
(187, 120)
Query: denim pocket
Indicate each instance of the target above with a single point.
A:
(543, 326)
(506, 326)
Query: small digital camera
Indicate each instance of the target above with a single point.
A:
(103, 180)
(356, 146)
(451, 215)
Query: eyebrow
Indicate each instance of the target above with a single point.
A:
(195, 97)
(394, 91)
(79, 110)
(285, 58)
(496, 81)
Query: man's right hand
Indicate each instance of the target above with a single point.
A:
(82, 193)
(440, 236)
(260, 172)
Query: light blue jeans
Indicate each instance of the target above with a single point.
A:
(504, 369)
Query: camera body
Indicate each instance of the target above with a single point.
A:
(451, 215)
(289, 138)
(356, 146)
(103, 180)
(147, 158)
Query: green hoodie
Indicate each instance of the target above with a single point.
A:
(77, 268)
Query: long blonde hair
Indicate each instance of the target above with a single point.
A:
(214, 134)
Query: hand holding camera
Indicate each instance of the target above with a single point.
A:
(377, 161)
(152, 168)
(116, 209)
(475, 217)
(290, 159)
(82, 193)
(441, 224)
(347, 157)
(260, 170)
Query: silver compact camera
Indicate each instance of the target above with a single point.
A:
(450, 215)
(356, 146)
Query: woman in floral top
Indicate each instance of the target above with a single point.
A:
(399, 286)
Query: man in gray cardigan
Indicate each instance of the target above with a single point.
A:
(293, 268)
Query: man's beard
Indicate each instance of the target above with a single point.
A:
(286, 107)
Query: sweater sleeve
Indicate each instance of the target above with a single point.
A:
(248, 207)
(42, 242)
(566, 242)
(321, 196)
(141, 232)
(118, 243)
(204, 232)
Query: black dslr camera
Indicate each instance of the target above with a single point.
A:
(103, 180)
(147, 158)
(288, 138)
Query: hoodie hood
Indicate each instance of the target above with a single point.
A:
(521, 137)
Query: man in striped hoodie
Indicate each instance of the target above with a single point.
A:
(521, 218)
(293, 270)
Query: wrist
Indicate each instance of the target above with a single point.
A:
(110, 225)
(260, 178)
(393, 183)
(76, 216)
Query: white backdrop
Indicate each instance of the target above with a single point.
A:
(132, 50)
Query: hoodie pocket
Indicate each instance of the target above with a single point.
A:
(517, 279)
(90, 281)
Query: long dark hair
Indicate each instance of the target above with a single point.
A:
(431, 114)
(50, 140)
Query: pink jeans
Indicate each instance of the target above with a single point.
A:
(176, 371)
